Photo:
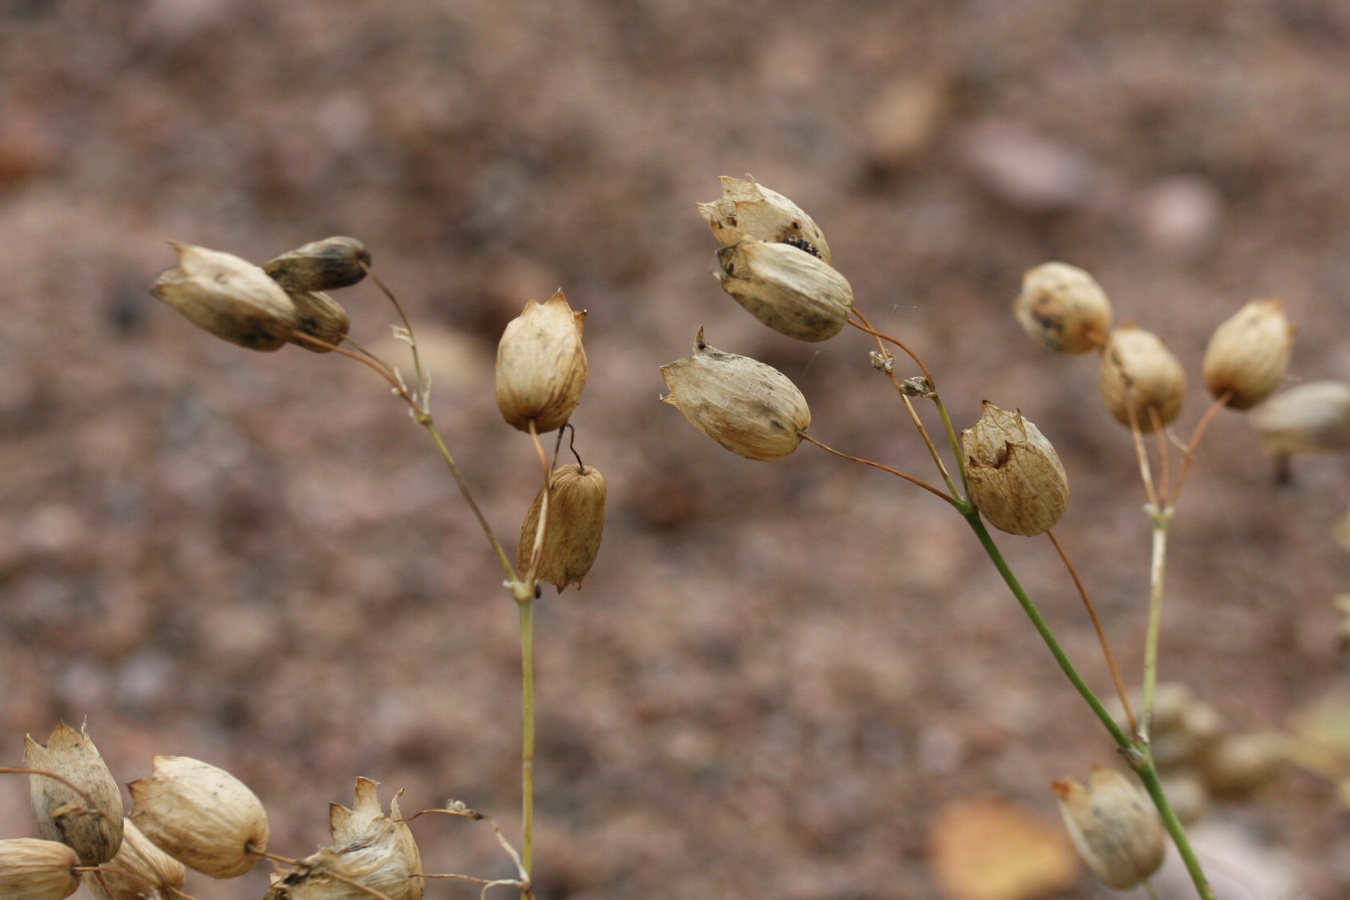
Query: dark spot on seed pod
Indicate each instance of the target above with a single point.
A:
(801, 243)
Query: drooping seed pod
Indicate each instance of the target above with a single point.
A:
(139, 871)
(325, 265)
(200, 815)
(541, 365)
(1309, 418)
(227, 296)
(31, 869)
(1248, 354)
(90, 823)
(1063, 308)
(1114, 827)
(746, 406)
(749, 211)
(794, 293)
(318, 315)
(1138, 372)
(1016, 479)
(576, 523)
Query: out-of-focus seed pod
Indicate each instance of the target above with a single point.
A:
(200, 815)
(792, 292)
(139, 871)
(1063, 308)
(746, 406)
(541, 366)
(95, 832)
(319, 315)
(1239, 765)
(227, 296)
(325, 265)
(1248, 354)
(576, 522)
(749, 211)
(1342, 604)
(1310, 418)
(1187, 794)
(1114, 827)
(1137, 370)
(1016, 479)
(31, 869)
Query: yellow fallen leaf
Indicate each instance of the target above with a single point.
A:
(990, 849)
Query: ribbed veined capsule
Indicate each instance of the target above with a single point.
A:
(749, 211)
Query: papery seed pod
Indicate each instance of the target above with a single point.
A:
(541, 365)
(94, 831)
(1138, 371)
(1114, 827)
(227, 296)
(320, 316)
(31, 869)
(325, 265)
(1016, 479)
(200, 815)
(750, 211)
(794, 293)
(139, 871)
(576, 522)
(746, 406)
(1310, 418)
(1248, 354)
(1239, 765)
(1063, 308)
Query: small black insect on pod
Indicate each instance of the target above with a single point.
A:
(802, 243)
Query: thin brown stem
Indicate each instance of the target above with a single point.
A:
(864, 325)
(876, 465)
(89, 803)
(1189, 455)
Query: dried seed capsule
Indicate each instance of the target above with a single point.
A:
(746, 406)
(1138, 371)
(750, 211)
(325, 265)
(1016, 479)
(227, 296)
(31, 869)
(1063, 308)
(139, 871)
(794, 293)
(541, 365)
(320, 316)
(63, 815)
(576, 522)
(1249, 353)
(201, 816)
(1239, 765)
(1309, 418)
(1114, 827)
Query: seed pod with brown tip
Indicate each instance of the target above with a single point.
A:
(750, 211)
(1138, 371)
(1114, 827)
(1309, 418)
(95, 832)
(318, 315)
(1248, 354)
(200, 815)
(325, 265)
(541, 365)
(746, 406)
(792, 292)
(576, 522)
(1063, 308)
(1016, 479)
(139, 871)
(31, 869)
(227, 296)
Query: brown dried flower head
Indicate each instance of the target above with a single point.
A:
(31, 869)
(750, 211)
(1248, 354)
(227, 296)
(95, 832)
(200, 815)
(318, 315)
(139, 871)
(1310, 418)
(541, 365)
(1016, 479)
(1113, 826)
(791, 291)
(1138, 372)
(576, 523)
(1063, 308)
(325, 265)
(746, 406)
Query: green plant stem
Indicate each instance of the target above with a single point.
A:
(1161, 518)
(424, 419)
(527, 735)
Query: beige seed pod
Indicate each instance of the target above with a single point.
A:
(576, 522)
(227, 296)
(95, 832)
(200, 815)
(325, 265)
(1016, 479)
(541, 365)
(1063, 308)
(139, 871)
(320, 316)
(746, 406)
(1138, 371)
(1113, 826)
(31, 869)
(750, 211)
(1239, 765)
(792, 292)
(1248, 354)
(1309, 418)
